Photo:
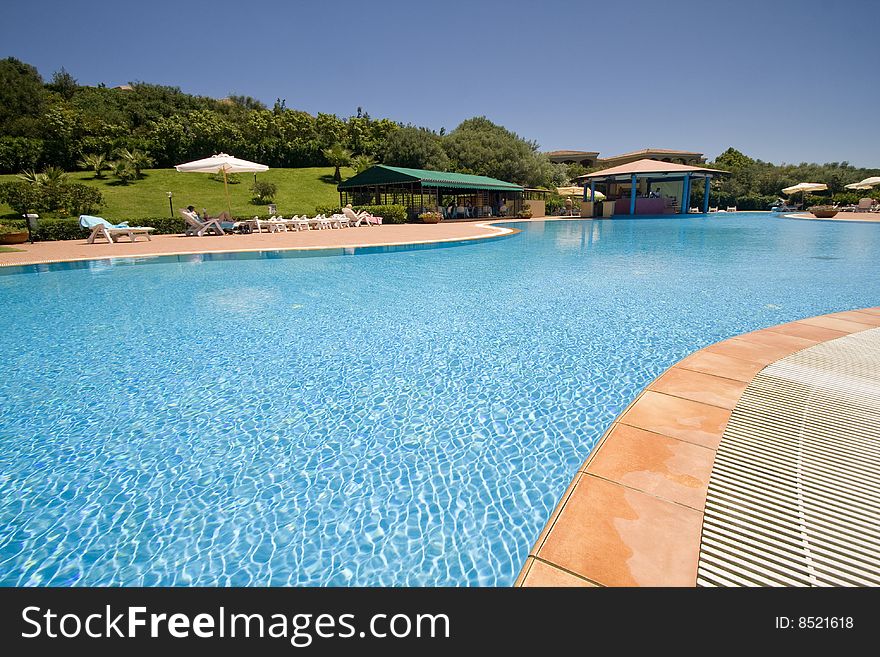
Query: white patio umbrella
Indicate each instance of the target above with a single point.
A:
(577, 191)
(804, 188)
(225, 164)
(867, 183)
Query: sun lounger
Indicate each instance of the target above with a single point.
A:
(195, 226)
(353, 218)
(864, 205)
(112, 232)
(693, 210)
(713, 209)
(338, 221)
(731, 208)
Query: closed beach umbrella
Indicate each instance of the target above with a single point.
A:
(225, 164)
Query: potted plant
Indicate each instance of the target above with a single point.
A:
(13, 235)
(822, 211)
(431, 217)
(525, 212)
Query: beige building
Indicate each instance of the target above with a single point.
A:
(660, 154)
(591, 159)
(584, 158)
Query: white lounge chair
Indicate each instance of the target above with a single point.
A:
(319, 222)
(195, 226)
(354, 219)
(338, 221)
(713, 209)
(693, 210)
(731, 208)
(864, 205)
(112, 232)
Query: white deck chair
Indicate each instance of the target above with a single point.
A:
(195, 226)
(354, 219)
(112, 232)
(731, 208)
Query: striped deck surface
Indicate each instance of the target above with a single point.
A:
(794, 495)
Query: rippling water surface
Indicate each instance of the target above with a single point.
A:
(403, 418)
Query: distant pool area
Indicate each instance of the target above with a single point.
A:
(402, 417)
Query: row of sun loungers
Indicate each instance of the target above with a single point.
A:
(277, 224)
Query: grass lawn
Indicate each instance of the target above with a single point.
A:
(299, 191)
(8, 249)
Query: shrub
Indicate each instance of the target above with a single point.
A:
(21, 196)
(59, 229)
(77, 199)
(122, 171)
(64, 198)
(391, 214)
(264, 192)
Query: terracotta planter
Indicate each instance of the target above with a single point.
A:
(823, 214)
(13, 238)
(432, 220)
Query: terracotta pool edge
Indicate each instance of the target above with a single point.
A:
(649, 535)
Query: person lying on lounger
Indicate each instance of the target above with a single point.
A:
(224, 218)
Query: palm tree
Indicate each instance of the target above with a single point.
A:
(136, 159)
(362, 163)
(123, 170)
(337, 156)
(50, 177)
(32, 177)
(97, 162)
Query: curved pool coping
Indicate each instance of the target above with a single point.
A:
(853, 218)
(279, 251)
(633, 513)
(496, 233)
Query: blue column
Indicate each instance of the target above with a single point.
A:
(706, 195)
(593, 191)
(686, 194)
(632, 196)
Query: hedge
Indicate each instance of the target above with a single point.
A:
(391, 214)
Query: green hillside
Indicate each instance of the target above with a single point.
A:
(299, 191)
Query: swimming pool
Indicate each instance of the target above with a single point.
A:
(392, 418)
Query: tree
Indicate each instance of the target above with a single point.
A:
(362, 163)
(479, 146)
(64, 84)
(575, 170)
(22, 98)
(417, 148)
(337, 156)
(97, 162)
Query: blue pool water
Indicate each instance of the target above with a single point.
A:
(399, 418)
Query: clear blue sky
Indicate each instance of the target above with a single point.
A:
(781, 80)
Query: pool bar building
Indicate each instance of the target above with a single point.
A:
(422, 190)
(648, 187)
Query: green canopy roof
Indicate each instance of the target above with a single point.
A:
(382, 174)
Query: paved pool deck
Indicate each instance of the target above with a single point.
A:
(863, 217)
(636, 512)
(362, 236)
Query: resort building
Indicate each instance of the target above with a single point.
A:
(455, 195)
(584, 158)
(659, 154)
